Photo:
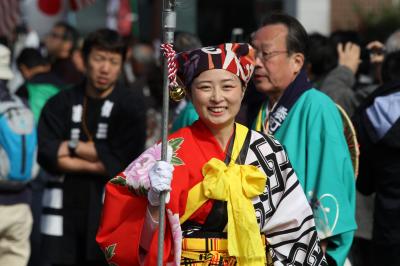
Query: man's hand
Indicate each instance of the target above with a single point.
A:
(98, 168)
(84, 150)
(376, 52)
(85, 160)
(349, 55)
(376, 56)
(87, 151)
(63, 149)
(76, 165)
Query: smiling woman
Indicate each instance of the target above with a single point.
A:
(233, 198)
(217, 94)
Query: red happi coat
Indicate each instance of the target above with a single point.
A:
(124, 212)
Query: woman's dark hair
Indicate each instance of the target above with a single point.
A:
(322, 54)
(296, 39)
(391, 67)
(106, 40)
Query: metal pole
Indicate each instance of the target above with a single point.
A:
(168, 27)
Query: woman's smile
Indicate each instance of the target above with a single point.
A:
(217, 95)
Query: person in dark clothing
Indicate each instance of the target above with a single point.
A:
(377, 122)
(87, 134)
(322, 58)
(15, 197)
(60, 43)
(40, 82)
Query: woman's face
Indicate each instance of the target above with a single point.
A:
(217, 94)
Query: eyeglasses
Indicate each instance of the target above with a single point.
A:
(265, 56)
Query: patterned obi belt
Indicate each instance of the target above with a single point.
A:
(208, 251)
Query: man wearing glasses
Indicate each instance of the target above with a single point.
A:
(309, 125)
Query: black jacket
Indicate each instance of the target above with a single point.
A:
(124, 124)
(377, 123)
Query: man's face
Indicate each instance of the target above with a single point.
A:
(275, 68)
(103, 69)
(55, 40)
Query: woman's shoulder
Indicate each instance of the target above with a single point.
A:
(260, 134)
(182, 133)
(266, 139)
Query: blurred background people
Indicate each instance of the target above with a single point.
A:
(378, 126)
(40, 85)
(23, 37)
(87, 134)
(40, 82)
(321, 58)
(144, 77)
(60, 44)
(18, 146)
(185, 113)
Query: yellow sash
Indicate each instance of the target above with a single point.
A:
(236, 184)
(196, 197)
(259, 122)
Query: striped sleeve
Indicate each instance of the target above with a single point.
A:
(283, 213)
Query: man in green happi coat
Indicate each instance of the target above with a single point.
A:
(309, 125)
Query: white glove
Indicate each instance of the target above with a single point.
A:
(160, 179)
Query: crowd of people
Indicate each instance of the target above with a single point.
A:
(284, 151)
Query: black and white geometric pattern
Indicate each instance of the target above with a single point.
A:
(282, 211)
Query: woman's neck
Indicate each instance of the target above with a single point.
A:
(223, 134)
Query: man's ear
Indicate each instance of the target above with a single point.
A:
(297, 62)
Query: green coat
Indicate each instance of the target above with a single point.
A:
(187, 117)
(39, 93)
(312, 134)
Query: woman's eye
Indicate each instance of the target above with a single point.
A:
(227, 87)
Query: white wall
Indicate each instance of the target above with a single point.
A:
(315, 15)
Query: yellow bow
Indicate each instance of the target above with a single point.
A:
(237, 184)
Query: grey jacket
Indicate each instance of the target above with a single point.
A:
(338, 85)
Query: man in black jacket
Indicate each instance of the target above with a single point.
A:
(377, 122)
(87, 134)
